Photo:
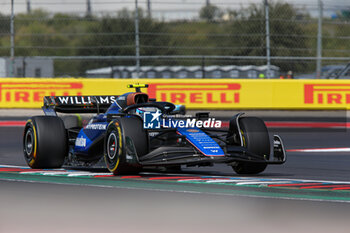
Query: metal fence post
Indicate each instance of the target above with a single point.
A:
(319, 39)
(12, 31)
(88, 8)
(137, 40)
(267, 28)
(28, 7)
(149, 11)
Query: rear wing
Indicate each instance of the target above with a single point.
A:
(77, 104)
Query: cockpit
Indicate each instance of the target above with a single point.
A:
(128, 99)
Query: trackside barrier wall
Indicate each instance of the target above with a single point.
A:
(194, 93)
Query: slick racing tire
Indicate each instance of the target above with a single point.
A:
(120, 134)
(45, 142)
(256, 139)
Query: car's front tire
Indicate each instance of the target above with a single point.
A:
(256, 139)
(120, 133)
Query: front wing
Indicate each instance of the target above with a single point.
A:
(189, 156)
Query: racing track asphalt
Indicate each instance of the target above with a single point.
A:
(304, 165)
(92, 208)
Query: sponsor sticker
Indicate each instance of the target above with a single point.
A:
(80, 142)
(190, 123)
(151, 120)
(24, 92)
(74, 100)
(334, 94)
(96, 126)
(193, 130)
(196, 93)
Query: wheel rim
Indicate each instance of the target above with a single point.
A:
(29, 143)
(112, 146)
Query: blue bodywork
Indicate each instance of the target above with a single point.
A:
(201, 141)
(97, 126)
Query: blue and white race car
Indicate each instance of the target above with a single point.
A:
(130, 132)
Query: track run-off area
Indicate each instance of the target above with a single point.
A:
(293, 189)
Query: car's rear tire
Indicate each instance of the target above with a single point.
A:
(115, 145)
(45, 142)
(256, 139)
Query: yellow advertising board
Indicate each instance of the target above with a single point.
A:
(194, 93)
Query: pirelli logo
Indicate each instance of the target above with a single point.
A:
(28, 92)
(327, 94)
(192, 93)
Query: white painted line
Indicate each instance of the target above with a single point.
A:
(53, 173)
(224, 181)
(88, 174)
(14, 166)
(266, 182)
(68, 173)
(344, 149)
(44, 172)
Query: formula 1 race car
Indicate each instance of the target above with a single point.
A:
(132, 131)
